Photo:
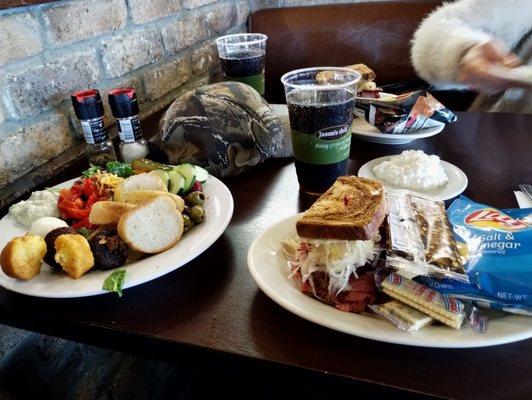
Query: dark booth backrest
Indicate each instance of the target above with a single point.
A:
(375, 33)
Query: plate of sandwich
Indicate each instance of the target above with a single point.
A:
(363, 126)
(361, 129)
(320, 265)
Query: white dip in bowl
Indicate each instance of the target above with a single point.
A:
(412, 169)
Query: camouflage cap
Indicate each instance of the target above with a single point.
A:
(225, 127)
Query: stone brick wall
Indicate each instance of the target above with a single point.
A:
(159, 47)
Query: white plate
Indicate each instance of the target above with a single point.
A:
(457, 179)
(365, 131)
(218, 208)
(270, 272)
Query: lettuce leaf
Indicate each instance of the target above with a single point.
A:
(121, 169)
(115, 281)
(84, 231)
(91, 171)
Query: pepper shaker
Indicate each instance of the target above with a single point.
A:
(89, 110)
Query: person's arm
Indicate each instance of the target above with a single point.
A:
(455, 46)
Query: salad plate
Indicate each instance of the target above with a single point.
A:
(218, 208)
(270, 271)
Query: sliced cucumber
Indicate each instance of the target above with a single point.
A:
(163, 175)
(201, 174)
(189, 172)
(177, 182)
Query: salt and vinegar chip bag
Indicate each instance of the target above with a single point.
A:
(497, 249)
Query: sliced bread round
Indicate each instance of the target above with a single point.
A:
(139, 182)
(108, 212)
(152, 227)
(141, 196)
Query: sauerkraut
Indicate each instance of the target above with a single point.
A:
(338, 258)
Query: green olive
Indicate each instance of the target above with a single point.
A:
(195, 198)
(187, 222)
(197, 214)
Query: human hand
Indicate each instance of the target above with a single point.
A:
(481, 66)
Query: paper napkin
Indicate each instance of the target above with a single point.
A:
(522, 199)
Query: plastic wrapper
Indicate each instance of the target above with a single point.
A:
(496, 246)
(403, 114)
(402, 316)
(420, 239)
(476, 319)
(501, 306)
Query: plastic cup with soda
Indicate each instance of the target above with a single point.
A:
(242, 57)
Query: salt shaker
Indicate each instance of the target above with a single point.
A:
(125, 107)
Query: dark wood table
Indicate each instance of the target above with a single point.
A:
(212, 307)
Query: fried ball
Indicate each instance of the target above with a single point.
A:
(108, 249)
(50, 242)
(74, 254)
(22, 257)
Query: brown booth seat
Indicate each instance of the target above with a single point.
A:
(376, 33)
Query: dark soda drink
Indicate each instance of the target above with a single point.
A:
(245, 66)
(321, 136)
(321, 102)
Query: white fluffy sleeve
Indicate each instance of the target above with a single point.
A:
(444, 36)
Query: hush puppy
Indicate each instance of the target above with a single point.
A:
(50, 242)
(22, 257)
(74, 254)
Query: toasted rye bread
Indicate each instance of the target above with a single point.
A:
(367, 73)
(108, 212)
(352, 209)
(366, 79)
(153, 226)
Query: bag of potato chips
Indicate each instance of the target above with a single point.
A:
(496, 247)
(405, 113)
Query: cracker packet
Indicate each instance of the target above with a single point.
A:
(404, 317)
(443, 308)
